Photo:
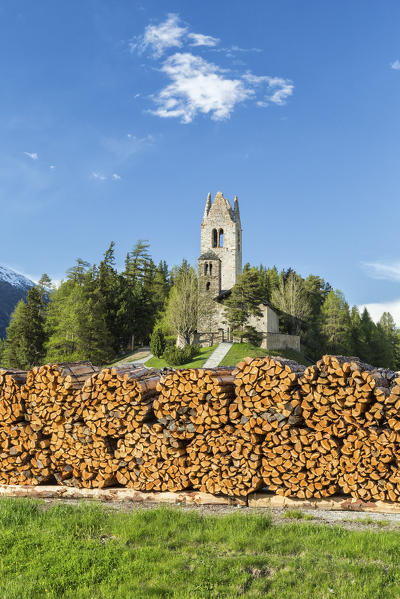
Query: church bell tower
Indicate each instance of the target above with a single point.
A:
(220, 262)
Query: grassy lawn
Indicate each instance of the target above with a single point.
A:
(197, 362)
(88, 551)
(239, 351)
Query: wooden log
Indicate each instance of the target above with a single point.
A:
(300, 463)
(52, 394)
(150, 459)
(24, 455)
(81, 458)
(341, 394)
(225, 461)
(268, 395)
(193, 400)
(116, 401)
(369, 468)
(391, 401)
(12, 408)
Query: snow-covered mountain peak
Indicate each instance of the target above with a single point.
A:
(14, 278)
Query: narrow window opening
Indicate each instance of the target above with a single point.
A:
(221, 238)
(210, 270)
(208, 286)
(238, 240)
(214, 238)
(205, 268)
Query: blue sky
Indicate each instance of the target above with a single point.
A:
(117, 118)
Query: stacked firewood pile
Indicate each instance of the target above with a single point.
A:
(24, 451)
(52, 394)
(193, 401)
(150, 459)
(270, 422)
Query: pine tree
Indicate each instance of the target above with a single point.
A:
(356, 348)
(157, 342)
(24, 346)
(66, 311)
(244, 302)
(390, 341)
(76, 321)
(317, 290)
(2, 346)
(335, 323)
(108, 288)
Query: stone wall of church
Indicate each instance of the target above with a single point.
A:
(221, 233)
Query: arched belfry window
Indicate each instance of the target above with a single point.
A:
(214, 239)
(210, 270)
(208, 286)
(221, 238)
(205, 268)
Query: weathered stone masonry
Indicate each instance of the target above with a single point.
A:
(220, 265)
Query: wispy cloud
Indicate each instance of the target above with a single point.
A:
(52, 166)
(382, 271)
(199, 86)
(199, 39)
(159, 37)
(124, 148)
(32, 155)
(395, 65)
(98, 176)
(116, 177)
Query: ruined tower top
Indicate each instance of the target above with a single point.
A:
(221, 234)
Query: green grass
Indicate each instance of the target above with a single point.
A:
(239, 351)
(297, 515)
(369, 521)
(89, 551)
(197, 362)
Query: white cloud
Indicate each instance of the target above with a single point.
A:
(32, 155)
(98, 176)
(116, 177)
(379, 270)
(395, 65)
(160, 37)
(198, 86)
(198, 39)
(377, 309)
(52, 166)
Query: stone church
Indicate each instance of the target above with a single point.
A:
(220, 265)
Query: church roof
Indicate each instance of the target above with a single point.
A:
(209, 255)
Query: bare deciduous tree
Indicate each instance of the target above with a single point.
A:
(291, 297)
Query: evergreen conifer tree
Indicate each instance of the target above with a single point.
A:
(243, 303)
(157, 342)
(24, 346)
(335, 323)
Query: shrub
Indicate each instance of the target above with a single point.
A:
(157, 343)
(174, 356)
(170, 341)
